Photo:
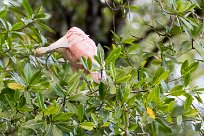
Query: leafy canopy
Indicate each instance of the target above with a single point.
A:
(43, 96)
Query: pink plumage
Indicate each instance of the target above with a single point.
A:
(79, 45)
(73, 46)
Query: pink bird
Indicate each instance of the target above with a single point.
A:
(73, 46)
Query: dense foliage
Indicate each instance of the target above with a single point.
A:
(142, 95)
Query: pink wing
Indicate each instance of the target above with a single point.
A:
(80, 45)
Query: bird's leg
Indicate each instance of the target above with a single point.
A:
(56, 46)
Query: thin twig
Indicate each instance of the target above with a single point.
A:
(142, 91)
(112, 8)
(162, 7)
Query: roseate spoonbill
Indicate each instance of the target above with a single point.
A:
(73, 46)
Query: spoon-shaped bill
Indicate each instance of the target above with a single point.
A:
(61, 43)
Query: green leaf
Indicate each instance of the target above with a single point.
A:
(16, 96)
(102, 91)
(6, 24)
(35, 33)
(51, 109)
(138, 84)
(154, 95)
(87, 125)
(191, 7)
(186, 79)
(191, 113)
(105, 124)
(48, 129)
(171, 106)
(40, 100)
(27, 97)
(73, 86)
(15, 86)
(198, 98)
(3, 13)
(79, 97)
(193, 22)
(95, 118)
(183, 6)
(100, 54)
(119, 94)
(71, 107)
(164, 86)
(188, 102)
(35, 78)
(63, 116)
(163, 125)
(177, 91)
(168, 100)
(97, 59)
(118, 111)
(75, 76)
(112, 70)
(27, 72)
(169, 119)
(176, 30)
(132, 48)
(116, 36)
(133, 127)
(17, 26)
(10, 101)
(80, 112)
(128, 41)
(197, 30)
(184, 66)
(56, 131)
(148, 54)
(89, 63)
(58, 90)
(162, 77)
(112, 89)
(113, 56)
(27, 7)
(64, 126)
(45, 27)
(198, 90)
(178, 5)
(39, 16)
(154, 127)
(191, 68)
(84, 62)
(123, 79)
(186, 23)
(159, 75)
(32, 124)
(133, 8)
(17, 10)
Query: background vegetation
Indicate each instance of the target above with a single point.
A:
(153, 54)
